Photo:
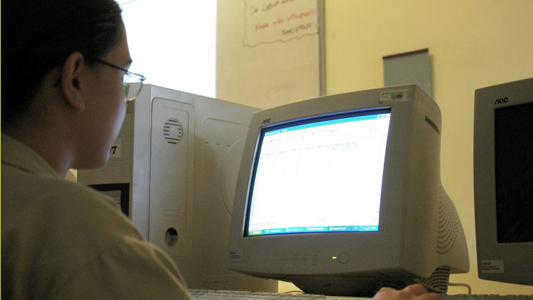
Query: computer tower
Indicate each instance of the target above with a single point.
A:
(173, 170)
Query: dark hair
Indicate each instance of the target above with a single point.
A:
(38, 35)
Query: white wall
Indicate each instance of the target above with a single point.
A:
(173, 42)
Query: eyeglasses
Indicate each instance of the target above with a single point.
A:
(132, 82)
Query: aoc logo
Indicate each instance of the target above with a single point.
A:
(266, 121)
(501, 101)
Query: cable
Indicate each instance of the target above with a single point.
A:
(468, 287)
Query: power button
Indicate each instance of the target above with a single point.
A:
(344, 258)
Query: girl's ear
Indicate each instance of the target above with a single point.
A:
(72, 80)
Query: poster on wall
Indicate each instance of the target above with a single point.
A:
(269, 52)
(279, 21)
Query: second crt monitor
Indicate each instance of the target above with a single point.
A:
(342, 195)
(503, 181)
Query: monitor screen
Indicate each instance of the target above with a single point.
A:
(329, 168)
(514, 173)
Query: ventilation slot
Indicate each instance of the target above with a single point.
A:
(448, 224)
(433, 125)
(173, 131)
(438, 281)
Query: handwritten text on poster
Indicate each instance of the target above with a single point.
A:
(269, 21)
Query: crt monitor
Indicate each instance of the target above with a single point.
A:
(503, 181)
(342, 194)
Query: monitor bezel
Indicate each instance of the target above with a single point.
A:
(496, 261)
(401, 238)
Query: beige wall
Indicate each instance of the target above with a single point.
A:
(472, 44)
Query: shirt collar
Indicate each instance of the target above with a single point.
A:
(20, 156)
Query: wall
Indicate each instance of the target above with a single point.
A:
(173, 43)
(473, 44)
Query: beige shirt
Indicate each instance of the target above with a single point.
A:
(61, 240)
